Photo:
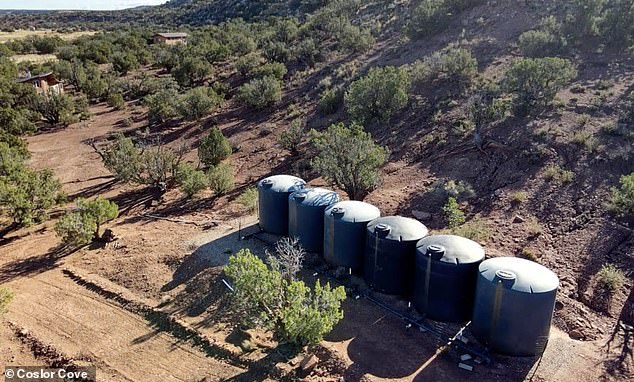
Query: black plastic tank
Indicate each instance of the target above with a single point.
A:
(306, 216)
(389, 254)
(445, 277)
(273, 195)
(514, 304)
(344, 232)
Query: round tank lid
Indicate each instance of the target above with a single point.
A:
(353, 211)
(436, 251)
(282, 183)
(519, 274)
(401, 228)
(317, 197)
(458, 249)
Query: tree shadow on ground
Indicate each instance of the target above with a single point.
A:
(95, 189)
(35, 264)
(622, 364)
(201, 273)
(128, 200)
(613, 244)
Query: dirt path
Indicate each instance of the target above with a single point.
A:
(67, 153)
(85, 326)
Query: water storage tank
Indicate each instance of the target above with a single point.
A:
(514, 304)
(445, 277)
(344, 232)
(273, 195)
(389, 254)
(306, 216)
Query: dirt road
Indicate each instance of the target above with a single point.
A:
(86, 326)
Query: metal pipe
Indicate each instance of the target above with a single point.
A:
(450, 341)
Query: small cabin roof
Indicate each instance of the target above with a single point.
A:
(172, 35)
(48, 76)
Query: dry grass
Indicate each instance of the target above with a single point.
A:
(35, 58)
(18, 34)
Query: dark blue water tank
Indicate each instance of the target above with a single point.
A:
(306, 216)
(344, 232)
(273, 195)
(445, 277)
(389, 254)
(514, 304)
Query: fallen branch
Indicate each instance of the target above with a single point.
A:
(207, 223)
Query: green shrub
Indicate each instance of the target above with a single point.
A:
(16, 121)
(75, 229)
(535, 81)
(115, 101)
(55, 108)
(198, 103)
(558, 174)
(246, 64)
(622, 201)
(159, 165)
(428, 18)
(582, 18)
(377, 95)
(460, 190)
(348, 158)
(261, 92)
(475, 230)
(123, 62)
(123, 159)
(535, 43)
(163, 105)
(307, 52)
(610, 279)
(626, 112)
(433, 16)
(331, 100)
(529, 254)
(518, 197)
(354, 39)
(153, 165)
(26, 194)
(99, 209)
(192, 71)
(270, 69)
(213, 148)
(277, 51)
(543, 42)
(294, 312)
(533, 228)
(153, 85)
(456, 65)
(586, 140)
(81, 107)
(453, 214)
(486, 107)
(221, 178)
(6, 296)
(191, 180)
(249, 199)
(293, 137)
(453, 65)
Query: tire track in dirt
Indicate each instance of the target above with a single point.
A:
(158, 318)
(83, 325)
